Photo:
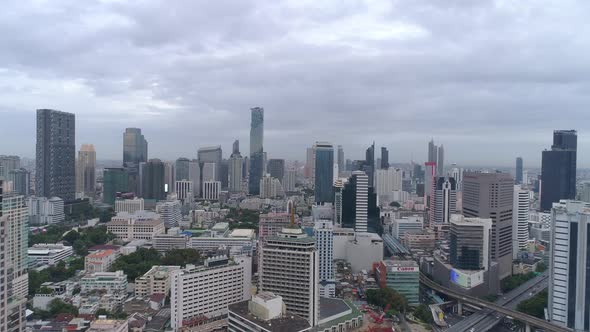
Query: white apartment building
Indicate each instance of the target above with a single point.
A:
(129, 205)
(208, 290)
(289, 267)
(269, 187)
(388, 180)
(100, 261)
(184, 190)
(154, 281)
(211, 190)
(170, 212)
(141, 225)
(362, 201)
(400, 226)
(110, 282)
(324, 235)
(290, 180)
(520, 220)
(45, 211)
(48, 253)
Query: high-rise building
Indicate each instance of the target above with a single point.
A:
(181, 169)
(14, 280)
(209, 171)
(56, 154)
(384, 158)
(388, 180)
(289, 267)
(276, 168)
(194, 175)
(201, 294)
(45, 211)
(256, 150)
(457, 174)
(440, 162)
(324, 168)
(341, 161)
(7, 164)
(518, 174)
(224, 174)
(115, 180)
(184, 191)
(235, 147)
(432, 152)
(170, 213)
(309, 169)
(445, 202)
(369, 165)
(21, 181)
(235, 172)
(213, 155)
(269, 187)
(135, 151)
(558, 170)
(490, 195)
(152, 176)
(401, 276)
(470, 243)
(324, 235)
(86, 170)
(211, 190)
(359, 182)
(290, 180)
(168, 178)
(569, 278)
(338, 188)
(430, 188)
(520, 226)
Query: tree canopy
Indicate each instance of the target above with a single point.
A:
(535, 306)
(512, 282)
(383, 296)
(141, 261)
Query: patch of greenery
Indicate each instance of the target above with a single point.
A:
(242, 218)
(141, 261)
(541, 267)
(423, 313)
(55, 307)
(535, 306)
(111, 315)
(386, 296)
(512, 282)
(57, 273)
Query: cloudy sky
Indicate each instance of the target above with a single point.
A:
(488, 79)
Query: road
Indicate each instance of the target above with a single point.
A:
(485, 320)
(496, 307)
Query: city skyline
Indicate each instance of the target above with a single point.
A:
(502, 103)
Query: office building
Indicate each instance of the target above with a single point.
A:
(470, 243)
(309, 169)
(388, 180)
(45, 211)
(440, 162)
(141, 225)
(518, 174)
(369, 164)
(206, 291)
(340, 159)
(490, 195)
(155, 281)
(558, 169)
(48, 254)
(432, 152)
(290, 180)
(355, 201)
(411, 224)
(276, 168)
(457, 174)
(269, 187)
(429, 188)
(86, 170)
(224, 174)
(181, 169)
(194, 175)
(402, 276)
(256, 150)
(211, 190)
(56, 154)
(424, 240)
(289, 267)
(210, 155)
(21, 181)
(384, 158)
(169, 177)
(115, 180)
(436, 155)
(520, 217)
(209, 172)
(129, 205)
(7, 164)
(270, 224)
(15, 280)
(170, 212)
(569, 281)
(236, 167)
(152, 175)
(445, 201)
(166, 242)
(100, 261)
(338, 188)
(184, 191)
(324, 168)
(135, 152)
(264, 313)
(324, 235)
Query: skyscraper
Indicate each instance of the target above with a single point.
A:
(360, 183)
(86, 170)
(341, 161)
(445, 200)
(384, 158)
(324, 172)
(211, 154)
(490, 195)
(135, 151)
(21, 181)
(470, 243)
(7, 164)
(289, 267)
(290, 180)
(309, 169)
(181, 169)
(114, 180)
(224, 174)
(153, 180)
(432, 152)
(56, 154)
(236, 168)
(235, 147)
(520, 226)
(430, 188)
(369, 166)
(256, 150)
(276, 168)
(518, 174)
(194, 175)
(558, 170)
(440, 162)
(569, 278)
(324, 234)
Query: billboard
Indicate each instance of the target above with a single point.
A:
(404, 269)
(467, 279)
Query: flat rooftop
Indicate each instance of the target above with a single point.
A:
(292, 323)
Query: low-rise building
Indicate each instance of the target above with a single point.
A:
(165, 242)
(48, 253)
(100, 261)
(420, 240)
(401, 276)
(108, 325)
(141, 225)
(110, 282)
(412, 224)
(129, 205)
(155, 281)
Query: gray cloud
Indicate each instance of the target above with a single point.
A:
(488, 79)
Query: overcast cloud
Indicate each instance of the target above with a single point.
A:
(488, 79)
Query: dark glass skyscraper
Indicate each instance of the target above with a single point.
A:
(153, 180)
(56, 154)
(341, 161)
(369, 166)
(181, 169)
(558, 170)
(256, 150)
(384, 158)
(324, 172)
(518, 174)
(135, 151)
(114, 180)
(276, 168)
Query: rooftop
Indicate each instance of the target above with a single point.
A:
(291, 323)
(101, 253)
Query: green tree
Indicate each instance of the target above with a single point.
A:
(383, 296)
(535, 306)
(137, 263)
(71, 236)
(395, 204)
(181, 257)
(423, 313)
(512, 282)
(541, 267)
